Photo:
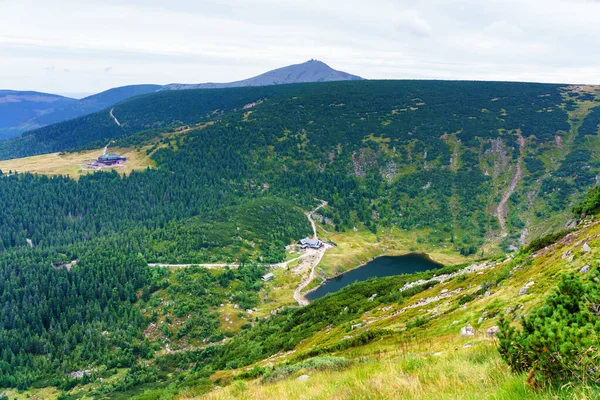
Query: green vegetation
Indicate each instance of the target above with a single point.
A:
(590, 204)
(433, 159)
(547, 240)
(558, 343)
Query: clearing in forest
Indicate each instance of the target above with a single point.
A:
(74, 164)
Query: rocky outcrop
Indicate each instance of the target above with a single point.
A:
(492, 332)
(525, 289)
(467, 331)
(586, 248)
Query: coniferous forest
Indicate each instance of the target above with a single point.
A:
(435, 157)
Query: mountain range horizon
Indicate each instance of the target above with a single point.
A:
(23, 111)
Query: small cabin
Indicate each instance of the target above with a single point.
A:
(111, 159)
(268, 277)
(308, 243)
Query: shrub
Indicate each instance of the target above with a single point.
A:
(559, 341)
(547, 240)
(327, 363)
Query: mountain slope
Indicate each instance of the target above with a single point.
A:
(428, 338)
(473, 166)
(18, 108)
(310, 71)
(403, 166)
(24, 111)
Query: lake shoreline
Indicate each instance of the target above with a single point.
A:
(424, 256)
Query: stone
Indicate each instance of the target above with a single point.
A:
(444, 291)
(356, 326)
(492, 332)
(302, 377)
(571, 258)
(467, 345)
(585, 269)
(586, 248)
(526, 288)
(484, 314)
(480, 320)
(523, 290)
(487, 294)
(467, 331)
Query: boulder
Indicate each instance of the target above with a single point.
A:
(302, 377)
(585, 269)
(571, 258)
(586, 248)
(492, 332)
(525, 288)
(467, 331)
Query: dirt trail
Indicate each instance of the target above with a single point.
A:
(502, 209)
(208, 266)
(113, 117)
(312, 221)
(310, 262)
(310, 259)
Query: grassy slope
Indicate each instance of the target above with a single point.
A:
(70, 164)
(432, 361)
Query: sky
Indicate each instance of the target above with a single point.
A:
(86, 46)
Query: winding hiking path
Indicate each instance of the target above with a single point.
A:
(314, 259)
(308, 260)
(113, 117)
(208, 266)
(311, 220)
(311, 258)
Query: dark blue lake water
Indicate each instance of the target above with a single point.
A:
(379, 267)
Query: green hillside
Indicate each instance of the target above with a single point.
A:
(471, 170)
(461, 161)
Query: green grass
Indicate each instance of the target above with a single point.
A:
(475, 373)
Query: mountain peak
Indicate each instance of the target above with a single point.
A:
(309, 71)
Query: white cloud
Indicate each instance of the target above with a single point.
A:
(160, 41)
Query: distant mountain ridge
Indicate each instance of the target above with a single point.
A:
(18, 108)
(307, 72)
(22, 111)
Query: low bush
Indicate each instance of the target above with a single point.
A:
(559, 341)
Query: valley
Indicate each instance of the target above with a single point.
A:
(170, 296)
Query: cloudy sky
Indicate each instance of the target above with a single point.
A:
(84, 46)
